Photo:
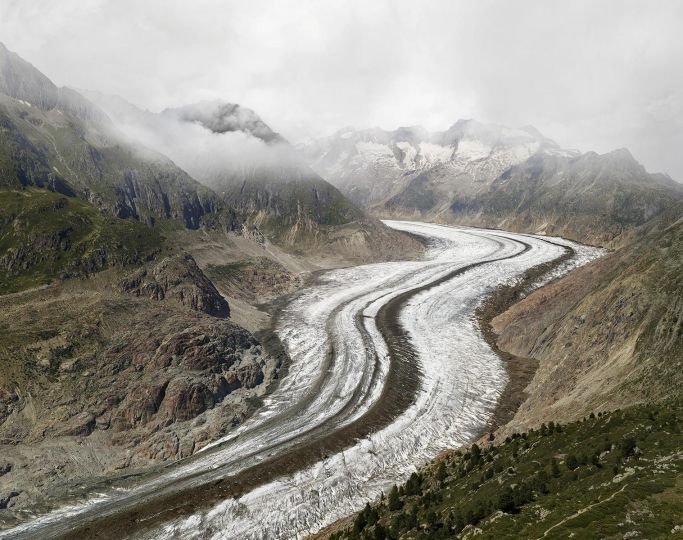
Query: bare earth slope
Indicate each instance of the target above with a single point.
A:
(606, 336)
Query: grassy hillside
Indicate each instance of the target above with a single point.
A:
(613, 476)
(46, 235)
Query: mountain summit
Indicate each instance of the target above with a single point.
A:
(221, 117)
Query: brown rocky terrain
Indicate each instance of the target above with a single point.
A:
(97, 379)
(608, 335)
(255, 280)
(177, 278)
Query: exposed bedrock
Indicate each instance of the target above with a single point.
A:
(179, 279)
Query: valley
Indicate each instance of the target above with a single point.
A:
(369, 412)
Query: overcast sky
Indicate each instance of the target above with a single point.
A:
(593, 75)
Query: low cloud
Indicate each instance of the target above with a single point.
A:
(215, 143)
(591, 75)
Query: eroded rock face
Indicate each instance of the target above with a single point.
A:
(80, 425)
(181, 374)
(114, 381)
(6, 499)
(179, 279)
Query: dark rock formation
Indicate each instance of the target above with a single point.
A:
(182, 373)
(179, 279)
(6, 499)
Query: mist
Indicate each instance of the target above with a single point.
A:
(590, 75)
(218, 144)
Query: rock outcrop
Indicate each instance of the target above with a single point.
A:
(105, 380)
(179, 279)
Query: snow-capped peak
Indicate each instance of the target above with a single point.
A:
(376, 161)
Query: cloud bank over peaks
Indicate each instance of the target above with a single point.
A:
(217, 143)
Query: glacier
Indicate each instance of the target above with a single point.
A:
(460, 384)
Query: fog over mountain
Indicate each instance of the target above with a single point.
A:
(590, 75)
(208, 139)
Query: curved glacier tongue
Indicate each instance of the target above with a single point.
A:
(461, 377)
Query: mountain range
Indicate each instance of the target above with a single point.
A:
(114, 341)
(254, 170)
(492, 176)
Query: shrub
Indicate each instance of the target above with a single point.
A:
(394, 500)
(506, 501)
(571, 462)
(628, 447)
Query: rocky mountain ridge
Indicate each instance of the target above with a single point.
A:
(474, 151)
(256, 171)
(487, 175)
(55, 138)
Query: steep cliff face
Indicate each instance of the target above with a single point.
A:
(57, 151)
(608, 335)
(55, 138)
(230, 149)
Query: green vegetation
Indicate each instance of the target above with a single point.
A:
(46, 235)
(227, 271)
(611, 475)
